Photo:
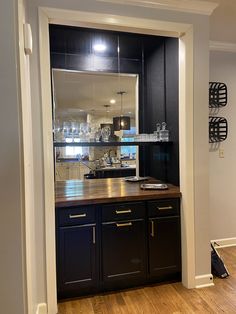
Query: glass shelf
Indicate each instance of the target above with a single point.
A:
(86, 144)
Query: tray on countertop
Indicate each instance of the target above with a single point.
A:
(135, 179)
(154, 186)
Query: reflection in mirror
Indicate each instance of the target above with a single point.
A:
(85, 106)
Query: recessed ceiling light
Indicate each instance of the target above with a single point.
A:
(99, 47)
(112, 101)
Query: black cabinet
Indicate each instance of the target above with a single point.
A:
(164, 246)
(123, 244)
(76, 254)
(164, 238)
(117, 245)
(115, 173)
(123, 251)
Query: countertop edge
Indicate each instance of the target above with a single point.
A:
(76, 202)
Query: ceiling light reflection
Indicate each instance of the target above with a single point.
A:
(99, 47)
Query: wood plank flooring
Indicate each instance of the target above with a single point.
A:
(164, 298)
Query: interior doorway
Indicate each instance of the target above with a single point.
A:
(102, 21)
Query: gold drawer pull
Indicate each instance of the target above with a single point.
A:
(152, 229)
(125, 211)
(94, 235)
(126, 224)
(164, 207)
(77, 216)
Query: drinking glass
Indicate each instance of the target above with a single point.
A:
(106, 132)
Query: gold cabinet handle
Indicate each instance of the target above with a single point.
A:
(125, 224)
(77, 216)
(164, 207)
(94, 235)
(125, 211)
(152, 229)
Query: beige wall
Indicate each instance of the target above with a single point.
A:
(223, 22)
(223, 170)
(12, 286)
(11, 239)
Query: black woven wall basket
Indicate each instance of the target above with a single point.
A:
(218, 129)
(217, 94)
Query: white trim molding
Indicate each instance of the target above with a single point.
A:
(115, 22)
(222, 46)
(49, 201)
(226, 242)
(42, 308)
(190, 6)
(204, 281)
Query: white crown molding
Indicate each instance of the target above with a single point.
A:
(222, 46)
(189, 6)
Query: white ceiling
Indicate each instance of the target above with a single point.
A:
(79, 93)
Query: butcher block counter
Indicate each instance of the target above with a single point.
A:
(95, 191)
(111, 234)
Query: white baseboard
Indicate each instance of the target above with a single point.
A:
(204, 281)
(224, 242)
(42, 308)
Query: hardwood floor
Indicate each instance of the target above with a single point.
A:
(164, 298)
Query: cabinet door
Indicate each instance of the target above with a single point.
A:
(76, 259)
(74, 172)
(83, 171)
(62, 171)
(164, 246)
(123, 250)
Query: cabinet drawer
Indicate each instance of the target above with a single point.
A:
(163, 207)
(76, 215)
(123, 211)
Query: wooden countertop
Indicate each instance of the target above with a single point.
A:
(94, 191)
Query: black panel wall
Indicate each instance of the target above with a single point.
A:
(172, 107)
(154, 59)
(161, 104)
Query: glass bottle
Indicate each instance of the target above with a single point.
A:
(164, 133)
(157, 132)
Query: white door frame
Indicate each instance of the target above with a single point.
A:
(122, 23)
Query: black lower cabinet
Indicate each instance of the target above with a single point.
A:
(164, 246)
(118, 245)
(76, 260)
(123, 253)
